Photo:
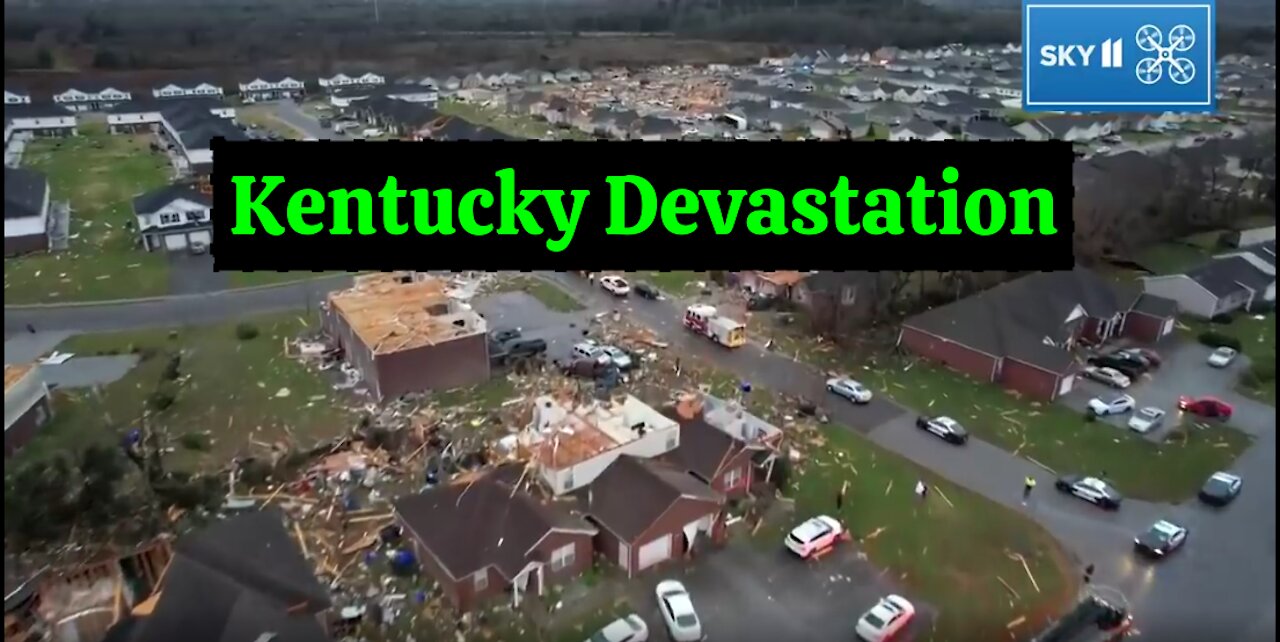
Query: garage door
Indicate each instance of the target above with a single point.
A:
(659, 550)
(200, 238)
(1167, 328)
(1065, 386)
(175, 241)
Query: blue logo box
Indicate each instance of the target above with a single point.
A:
(1119, 56)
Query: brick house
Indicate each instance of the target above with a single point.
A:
(404, 333)
(26, 405)
(1021, 334)
(483, 538)
(708, 453)
(649, 513)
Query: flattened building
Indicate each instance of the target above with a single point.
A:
(404, 334)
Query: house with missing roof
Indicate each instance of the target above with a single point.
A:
(403, 333)
(26, 211)
(242, 578)
(723, 445)
(1022, 334)
(188, 126)
(26, 405)
(482, 537)
(43, 119)
(174, 218)
(1227, 283)
(572, 443)
(648, 512)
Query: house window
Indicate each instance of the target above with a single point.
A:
(167, 219)
(564, 557)
(481, 579)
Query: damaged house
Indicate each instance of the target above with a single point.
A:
(721, 444)
(242, 578)
(403, 333)
(482, 537)
(572, 444)
(26, 405)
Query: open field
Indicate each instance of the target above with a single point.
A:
(99, 174)
(1060, 438)
(554, 298)
(678, 284)
(229, 390)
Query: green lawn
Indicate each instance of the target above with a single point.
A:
(230, 390)
(548, 294)
(1258, 339)
(1173, 257)
(99, 174)
(952, 552)
(1060, 438)
(678, 284)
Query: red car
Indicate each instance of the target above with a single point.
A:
(1208, 407)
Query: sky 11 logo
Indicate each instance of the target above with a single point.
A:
(1118, 55)
(1110, 54)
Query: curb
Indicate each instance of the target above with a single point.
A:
(159, 299)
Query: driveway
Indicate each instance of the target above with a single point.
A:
(744, 592)
(193, 274)
(1231, 552)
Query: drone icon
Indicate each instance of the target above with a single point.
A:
(1150, 39)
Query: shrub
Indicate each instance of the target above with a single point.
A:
(246, 331)
(1222, 319)
(1219, 340)
(172, 370)
(1262, 306)
(194, 441)
(1261, 373)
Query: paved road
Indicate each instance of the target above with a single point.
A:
(293, 115)
(1222, 586)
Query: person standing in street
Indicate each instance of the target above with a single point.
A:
(1028, 485)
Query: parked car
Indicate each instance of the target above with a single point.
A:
(1222, 357)
(1162, 538)
(1117, 405)
(1108, 376)
(587, 349)
(615, 285)
(625, 629)
(849, 389)
(646, 291)
(504, 335)
(618, 356)
(519, 348)
(815, 535)
(1221, 489)
(1090, 489)
(1130, 368)
(1153, 358)
(886, 619)
(946, 428)
(588, 368)
(1146, 420)
(1207, 407)
(677, 611)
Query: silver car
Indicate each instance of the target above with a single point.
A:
(849, 389)
(1146, 420)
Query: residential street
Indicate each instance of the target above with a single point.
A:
(291, 113)
(1221, 586)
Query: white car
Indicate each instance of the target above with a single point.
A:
(1109, 376)
(886, 619)
(615, 285)
(627, 629)
(1222, 357)
(1146, 420)
(618, 356)
(849, 389)
(817, 534)
(1117, 405)
(677, 611)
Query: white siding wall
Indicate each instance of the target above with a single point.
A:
(654, 443)
(22, 395)
(25, 226)
(45, 122)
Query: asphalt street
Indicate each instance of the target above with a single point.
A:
(291, 113)
(1221, 586)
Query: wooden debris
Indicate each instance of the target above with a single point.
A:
(302, 540)
(272, 496)
(1009, 588)
(1027, 568)
(370, 518)
(364, 542)
(888, 488)
(943, 496)
(1016, 623)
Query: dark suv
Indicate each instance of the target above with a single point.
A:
(514, 349)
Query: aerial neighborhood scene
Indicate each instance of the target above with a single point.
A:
(1082, 455)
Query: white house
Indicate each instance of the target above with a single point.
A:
(26, 405)
(271, 88)
(187, 90)
(89, 97)
(38, 120)
(1221, 286)
(573, 444)
(174, 218)
(918, 130)
(16, 96)
(189, 125)
(26, 211)
(343, 80)
(1068, 128)
(865, 91)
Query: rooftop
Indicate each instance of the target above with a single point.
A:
(564, 434)
(14, 373)
(400, 311)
